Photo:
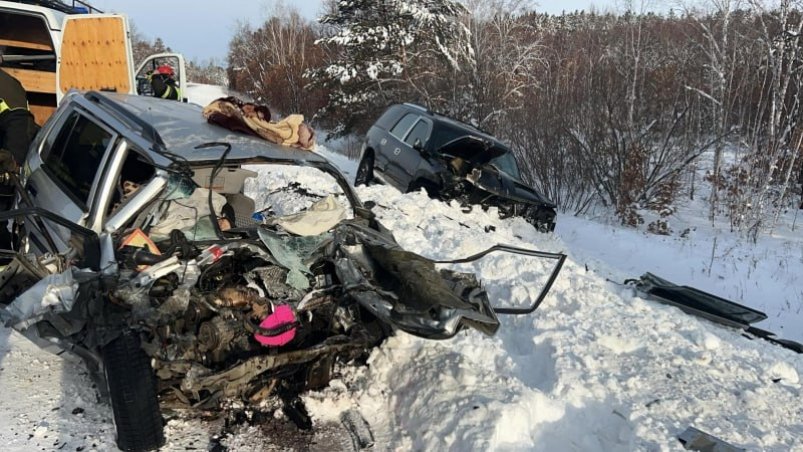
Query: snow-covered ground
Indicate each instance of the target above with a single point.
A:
(203, 94)
(594, 369)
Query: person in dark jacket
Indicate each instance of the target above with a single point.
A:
(17, 129)
(164, 84)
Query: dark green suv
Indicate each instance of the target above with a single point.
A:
(410, 147)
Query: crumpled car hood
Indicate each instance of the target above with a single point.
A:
(499, 183)
(473, 149)
(404, 289)
(477, 153)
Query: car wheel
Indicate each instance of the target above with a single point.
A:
(365, 171)
(133, 393)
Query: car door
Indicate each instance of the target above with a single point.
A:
(411, 156)
(393, 147)
(174, 60)
(19, 272)
(63, 176)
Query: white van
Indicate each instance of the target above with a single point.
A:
(52, 47)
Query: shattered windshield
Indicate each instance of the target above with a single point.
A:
(303, 201)
(280, 190)
(507, 164)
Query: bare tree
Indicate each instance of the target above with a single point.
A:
(507, 54)
(142, 47)
(775, 139)
(269, 62)
(721, 54)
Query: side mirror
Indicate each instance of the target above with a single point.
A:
(418, 145)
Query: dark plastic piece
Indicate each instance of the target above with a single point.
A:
(697, 302)
(296, 411)
(769, 336)
(360, 431)
(711, 307)
(693, 439)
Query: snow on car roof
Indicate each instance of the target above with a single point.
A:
(182, 127)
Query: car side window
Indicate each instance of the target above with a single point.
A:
(420, 132)
(134, 173)
(401, 127)
(76, 155)
(443, 135)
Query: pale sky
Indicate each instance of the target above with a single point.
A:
(201, 29)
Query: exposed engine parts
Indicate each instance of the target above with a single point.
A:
(219, 313)
(473, 186)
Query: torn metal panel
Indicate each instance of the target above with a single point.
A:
(52, 294)
(235, 380)
(404, 289)
(693, 439)
(17, 277)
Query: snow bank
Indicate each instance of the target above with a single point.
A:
(594, 369)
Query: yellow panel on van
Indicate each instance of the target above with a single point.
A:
(95, 54)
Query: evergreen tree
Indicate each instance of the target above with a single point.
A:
(385, 51)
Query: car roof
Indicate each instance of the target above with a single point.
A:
(182, 127)
(443, 120)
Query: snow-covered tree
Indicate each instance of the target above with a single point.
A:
(775, 138)
(385, 51)
(210, 71)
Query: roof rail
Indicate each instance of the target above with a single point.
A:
(146, 130)
(76, 6)
(420, 107)
(437, 113)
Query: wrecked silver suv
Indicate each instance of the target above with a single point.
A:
(150, 247)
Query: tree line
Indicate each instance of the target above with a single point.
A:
(602, 110)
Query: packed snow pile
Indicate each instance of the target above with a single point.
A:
(594, 368)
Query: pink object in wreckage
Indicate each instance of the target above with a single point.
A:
(282, 315)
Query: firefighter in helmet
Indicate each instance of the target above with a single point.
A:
(163, 83)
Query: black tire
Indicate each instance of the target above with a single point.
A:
(132, 390)
(365, 171)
